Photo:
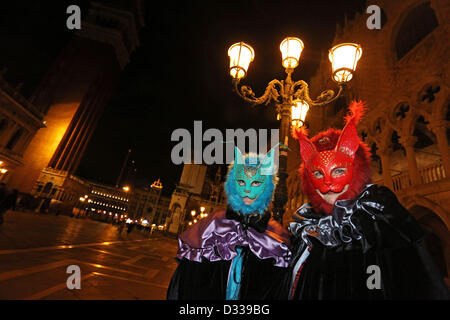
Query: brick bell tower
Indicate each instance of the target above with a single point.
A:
(76, 89)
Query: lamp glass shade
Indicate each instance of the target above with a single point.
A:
(291, 49)
(298, 112)
(241, 54)
(344, 58)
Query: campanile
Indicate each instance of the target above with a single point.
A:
(77, 87)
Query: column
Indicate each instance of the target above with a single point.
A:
(385, 156)
(439, 128)
(408, 143)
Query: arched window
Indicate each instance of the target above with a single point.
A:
(14, 139)
(48, 186)
(417, 25)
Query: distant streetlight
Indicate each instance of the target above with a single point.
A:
(126, 188)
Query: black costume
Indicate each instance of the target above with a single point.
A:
(332, 253)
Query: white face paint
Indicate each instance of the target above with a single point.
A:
(330, 197)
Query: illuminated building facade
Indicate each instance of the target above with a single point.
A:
(149, 204)
(19, 122)
(107, 201)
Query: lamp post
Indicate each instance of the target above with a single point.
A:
(291, 98)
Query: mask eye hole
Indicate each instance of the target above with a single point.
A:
(241, 182)
(337, 172)
(256, 183)
(318, 174)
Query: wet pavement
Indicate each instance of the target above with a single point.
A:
(37, 249)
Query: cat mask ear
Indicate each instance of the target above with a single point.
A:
(307, 149)
(268, 163)
(238, 157)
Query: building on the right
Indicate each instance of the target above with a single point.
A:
(404, 77)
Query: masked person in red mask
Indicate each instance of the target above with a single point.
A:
(354, 240)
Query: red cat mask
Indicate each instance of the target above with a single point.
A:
(334, 159)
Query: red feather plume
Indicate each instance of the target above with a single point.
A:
(356, 111)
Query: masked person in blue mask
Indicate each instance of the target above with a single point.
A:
(237, 253)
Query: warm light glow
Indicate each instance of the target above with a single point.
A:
(3, 170)
(298, 113)
(195, 220)
(190, 223)
(193, 213)
(126, 188)
(157, 184)
(344, 58)
(82, 199)
(241, 54)
(202, 209)
(291, 49)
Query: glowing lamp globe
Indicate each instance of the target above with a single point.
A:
(298, 113)
(291, 49)
(344, 58)
(241, 54)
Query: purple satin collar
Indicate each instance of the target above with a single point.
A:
(216, 237)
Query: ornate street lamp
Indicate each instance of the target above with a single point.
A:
(291, 98)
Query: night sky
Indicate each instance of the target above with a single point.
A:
(178, 74)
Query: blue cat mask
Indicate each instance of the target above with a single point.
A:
(251, 177)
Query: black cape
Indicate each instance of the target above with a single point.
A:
(372, 230)
(206, 280)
